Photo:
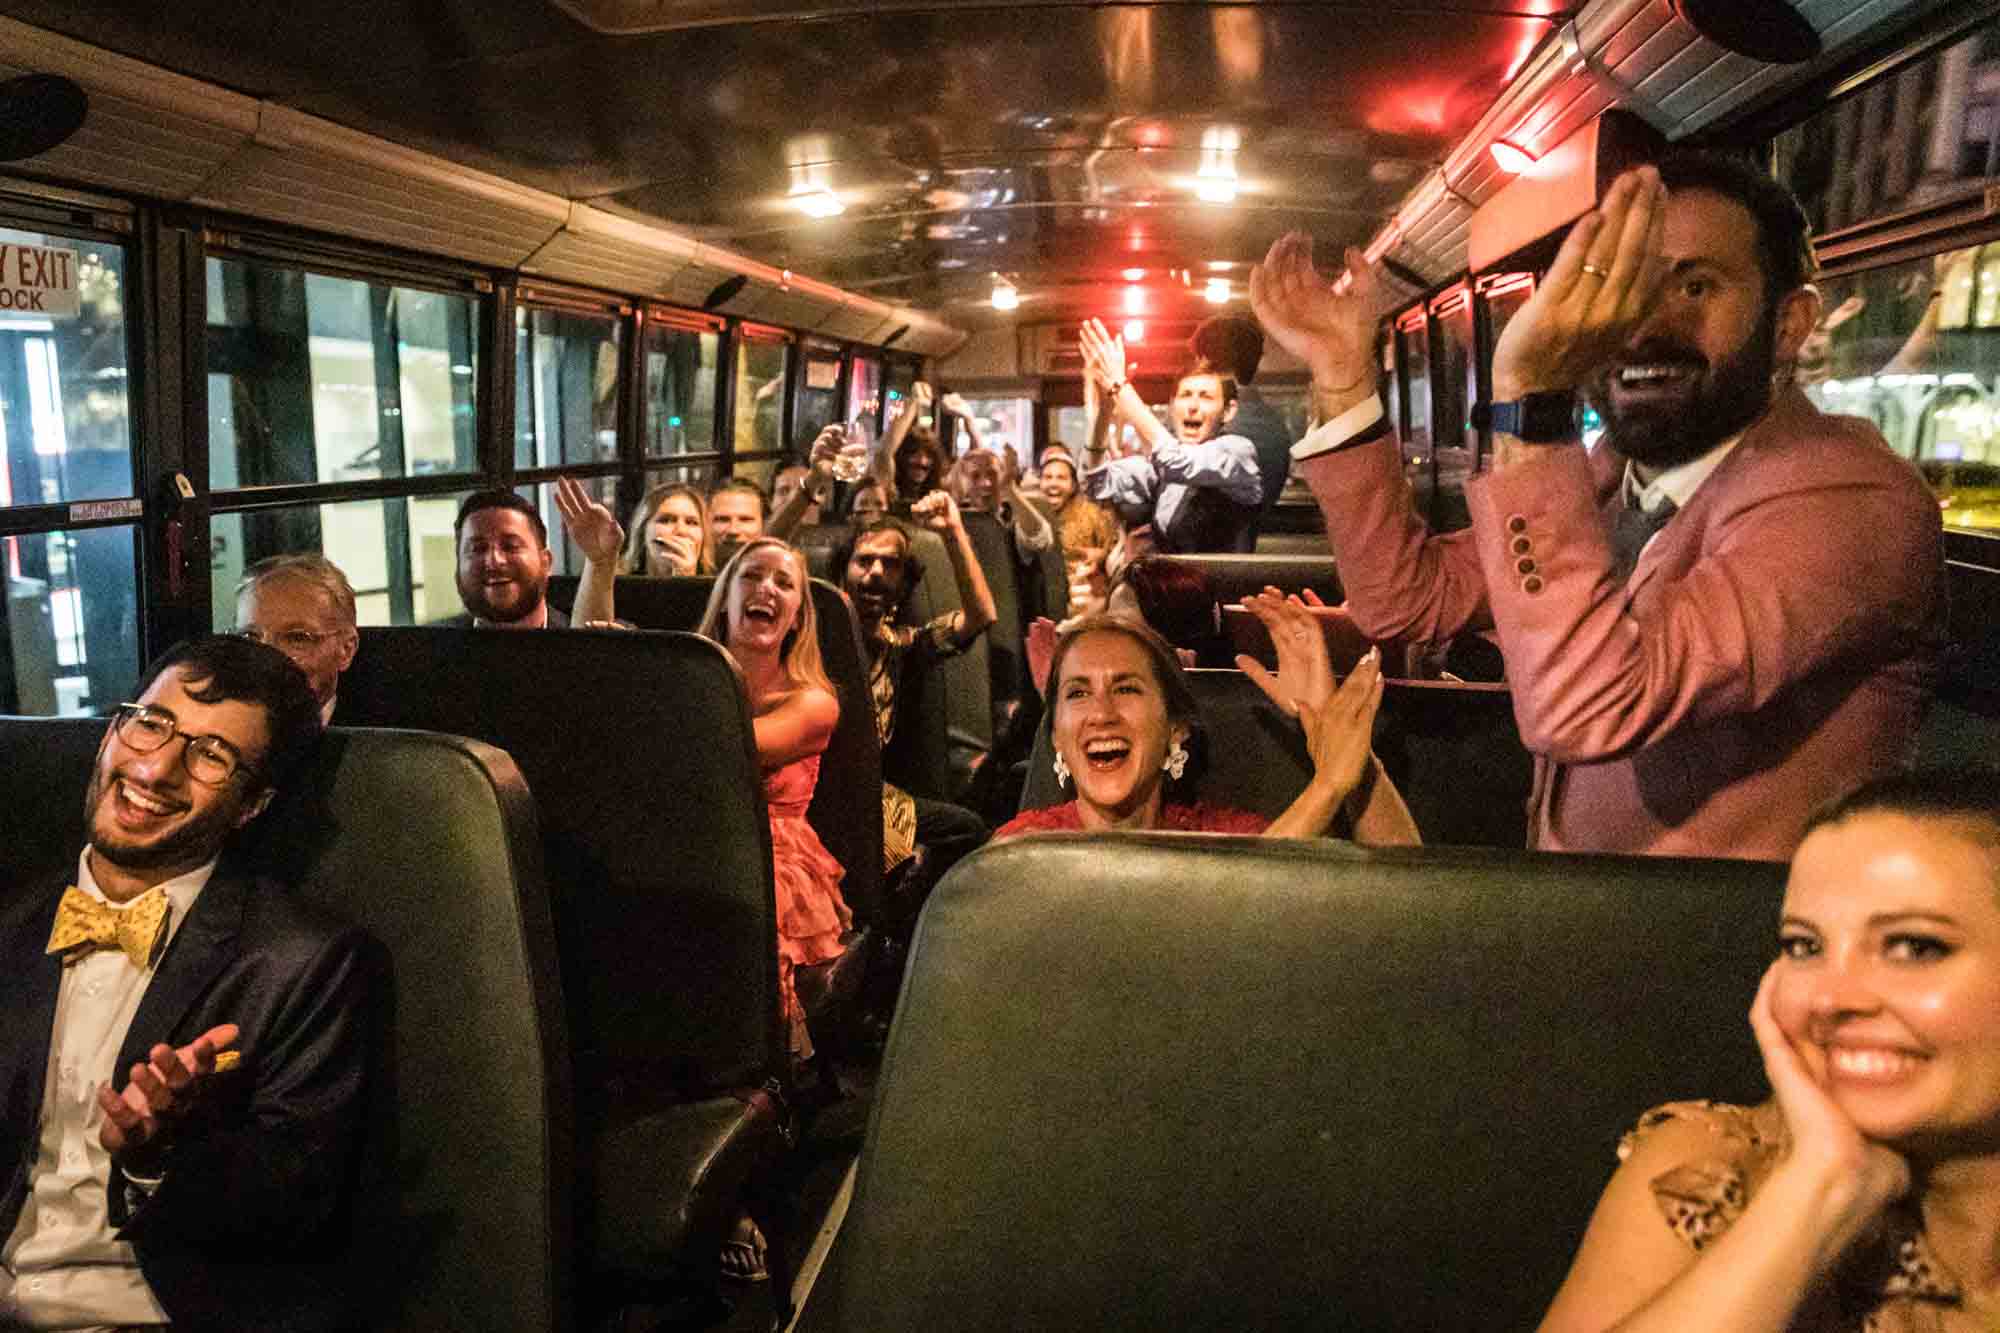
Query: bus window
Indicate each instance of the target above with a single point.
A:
(760, 388)
(397, 553)
(1904, 346)
(1008, 423)
(565, 387)
(1454, 390)
(313, 378)
(680, 390)
(817, 404)
(62, 384)
(72, 632)
(864, 393)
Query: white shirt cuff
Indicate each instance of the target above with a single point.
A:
(1330, 435)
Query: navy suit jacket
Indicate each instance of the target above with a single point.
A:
(464, 620)
(253, 1225)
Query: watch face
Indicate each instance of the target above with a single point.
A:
(1548, 417)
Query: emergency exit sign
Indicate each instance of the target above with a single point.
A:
(38, 280)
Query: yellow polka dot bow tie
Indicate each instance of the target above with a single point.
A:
(84, 924)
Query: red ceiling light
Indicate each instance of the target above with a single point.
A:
(1513, 158)
(1133, 274)
(1135, 331)
(1135, 300)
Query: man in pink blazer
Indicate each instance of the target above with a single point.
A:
(1725, 614)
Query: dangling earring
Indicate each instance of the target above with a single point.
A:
(1062, 772)
(1176, 761)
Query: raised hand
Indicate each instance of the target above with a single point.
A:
(1330, 328)
(1824, 1141)
(1039, 644)
(826, 447)
(938, 512)
(957, 406)
(1305, 674)
(1103, 355)
(1341, 731)
(680, 550)
(1604, 282)
(159, 1092)
(921, 393)
(593, 528)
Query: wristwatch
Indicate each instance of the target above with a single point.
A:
(1537, 418)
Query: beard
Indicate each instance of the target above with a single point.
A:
(1663, 430)
(196, 838)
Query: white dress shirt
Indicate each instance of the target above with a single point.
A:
(63, 1267)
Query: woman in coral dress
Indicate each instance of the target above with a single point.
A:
(761, 610)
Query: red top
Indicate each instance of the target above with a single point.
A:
(1199, 817)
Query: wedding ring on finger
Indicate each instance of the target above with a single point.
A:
(1594, 271)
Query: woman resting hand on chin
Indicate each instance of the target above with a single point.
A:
(1864, 1197)
(1122, 715)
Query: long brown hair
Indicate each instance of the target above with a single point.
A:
(800, 650)
(632, 560)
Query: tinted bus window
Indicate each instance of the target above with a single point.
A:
(72, 621)
(321, 379)
(397, 554)
(760, 389)
(818, 402)
(680, 391)
(1926, 134)
(63, 376)
(565, 387)
(1915, 348)
(864, 393)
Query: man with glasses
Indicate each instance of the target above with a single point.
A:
(183, 1047)
(303, 606)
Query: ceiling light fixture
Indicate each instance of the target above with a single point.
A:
(1217, 291)
(817, 202)
(1135, 331)
(1512, 158)
(1135, 300)
(1006, 296)
(1215, 179)
(1133, 274)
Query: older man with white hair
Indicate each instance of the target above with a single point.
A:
(303, 606)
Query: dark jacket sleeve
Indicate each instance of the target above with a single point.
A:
(270, 1168)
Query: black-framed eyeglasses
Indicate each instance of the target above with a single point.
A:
(209, 760)
(285, 640)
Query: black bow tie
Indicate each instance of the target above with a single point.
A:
(1632, 530)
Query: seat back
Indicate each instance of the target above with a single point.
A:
(1451, 749)
(1164, 1081)
(641, 756)
(822, 542)
(1234, 577)
(944, 718)
(430, 843)
(846, 810)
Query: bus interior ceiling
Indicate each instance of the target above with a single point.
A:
(922, 154)
(699, 214)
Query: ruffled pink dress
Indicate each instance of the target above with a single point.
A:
(812, 916)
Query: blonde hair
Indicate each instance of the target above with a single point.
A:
(800, 651)
(632, 560)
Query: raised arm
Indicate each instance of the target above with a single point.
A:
(939, 512)
(1401, 581)
(1107, 355)
(961, 409)
(1033, 533)
(596, 532)
(799, 726)
(884, 465)
(818, 487)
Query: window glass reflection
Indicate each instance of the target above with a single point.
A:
(864, 393)
(1922, 136)
(1007, 423)
(65, 430)
(314, 378)
(1915, 348)
(680, 391)
(760, 387)
(71, 642)
(565, 387)
(818, 401)
(397, 553)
